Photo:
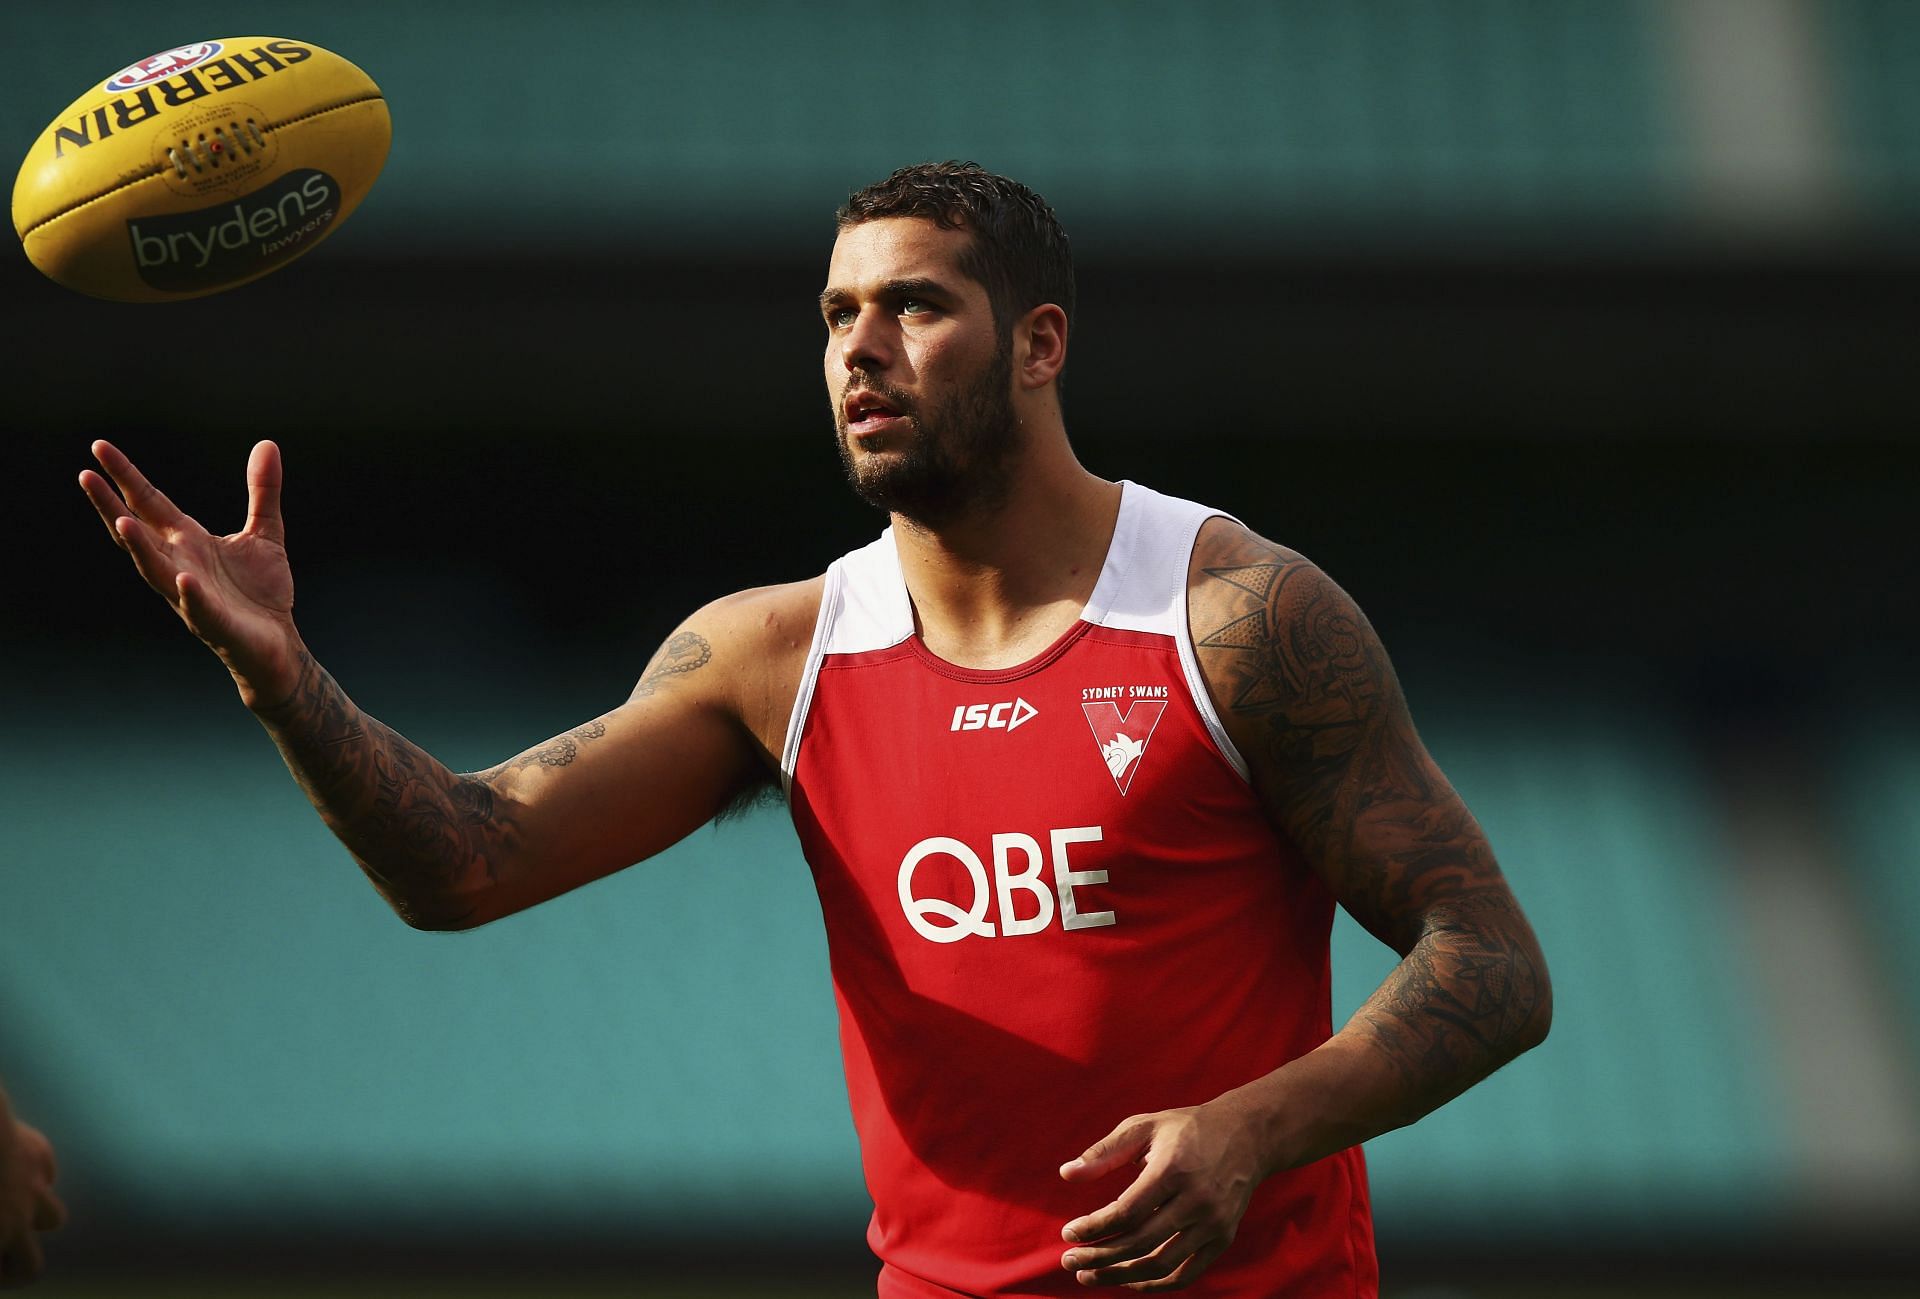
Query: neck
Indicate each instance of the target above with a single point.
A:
(991, 589)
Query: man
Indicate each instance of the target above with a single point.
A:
(1080, 771)
(28, 1204)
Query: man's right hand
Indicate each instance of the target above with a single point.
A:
(233, 592)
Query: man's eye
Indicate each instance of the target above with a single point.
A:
(840, 317)
(915, 307)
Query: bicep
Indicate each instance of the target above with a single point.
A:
(1308, 694)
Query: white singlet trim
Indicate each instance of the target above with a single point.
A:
(863, 606)
(1142, 586)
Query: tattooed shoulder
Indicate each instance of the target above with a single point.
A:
(1303, 686)
(1283, 645)
(684, 652)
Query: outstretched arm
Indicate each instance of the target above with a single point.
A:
(1311, 701)
(451, 850)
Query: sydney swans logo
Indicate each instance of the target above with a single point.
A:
(1123, 736)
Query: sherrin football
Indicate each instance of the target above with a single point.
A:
(200, 168)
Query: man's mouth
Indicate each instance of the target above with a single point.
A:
(868, 413)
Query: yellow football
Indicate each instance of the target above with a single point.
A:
(200, 168)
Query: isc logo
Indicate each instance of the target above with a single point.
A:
(1004, 716)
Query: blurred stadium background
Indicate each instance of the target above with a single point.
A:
(1575, 337)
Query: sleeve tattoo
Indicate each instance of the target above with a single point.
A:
(431, 840)
(427, 837)
(1341, 770)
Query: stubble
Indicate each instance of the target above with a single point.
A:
(959, 459)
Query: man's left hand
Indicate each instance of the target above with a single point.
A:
(1198, 1169)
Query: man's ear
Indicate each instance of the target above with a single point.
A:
(1040, 346)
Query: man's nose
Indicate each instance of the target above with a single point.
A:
(865, 345)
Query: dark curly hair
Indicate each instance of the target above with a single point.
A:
(1018, 252)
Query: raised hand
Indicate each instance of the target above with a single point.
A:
(1198, 1168)
(234, 592)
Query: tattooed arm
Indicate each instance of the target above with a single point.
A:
(452, 850)
(1308, 696)
(1310, 699)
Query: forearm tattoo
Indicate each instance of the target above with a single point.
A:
(428, 838)
(1339, 766)
(1463, 999)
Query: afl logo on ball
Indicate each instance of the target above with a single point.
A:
(161, 65)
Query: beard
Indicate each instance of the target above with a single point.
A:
(959, 459)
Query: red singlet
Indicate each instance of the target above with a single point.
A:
(1051, 902)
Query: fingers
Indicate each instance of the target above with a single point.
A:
(148, 551)
(1134, 1237)
(105, 501)
(1128, 1218)
(147, 502)
(1137, 1243)
(263, 492)
(1166, 1267)
(198, 608)
(1162, 1231)
(1123, 1145)
(1186, 1274)
(1169, 1253)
